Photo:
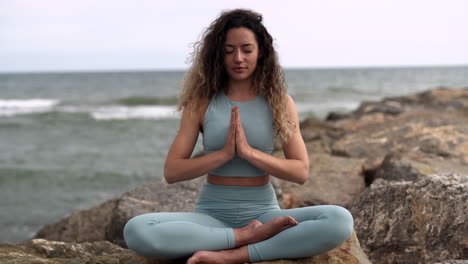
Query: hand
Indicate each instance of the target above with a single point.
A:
(230, 145)
(243, 148)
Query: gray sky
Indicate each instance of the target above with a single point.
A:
(66, 35)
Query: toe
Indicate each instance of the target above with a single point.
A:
(254, 223)
(292, 221)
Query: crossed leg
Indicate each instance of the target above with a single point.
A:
(320, 229)
(177, 235)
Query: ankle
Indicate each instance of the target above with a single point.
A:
(240, 255)
(240, 237)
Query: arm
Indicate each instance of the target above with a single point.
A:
(179, 166)
(295, 166)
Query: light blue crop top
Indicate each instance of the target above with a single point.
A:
(257, 122)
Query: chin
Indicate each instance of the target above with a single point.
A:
(240, 77)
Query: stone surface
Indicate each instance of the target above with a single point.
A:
(454, 261)
(53, 252)
(411, 166)
(349, 252)
(106, 221)
(421, 221)
(103, 252)
(81, 225)
(332, 180)
(152, 198)
(444, 134)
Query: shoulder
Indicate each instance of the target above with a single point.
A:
(290, 104)
(195, 110)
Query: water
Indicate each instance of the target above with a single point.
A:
(73, 140)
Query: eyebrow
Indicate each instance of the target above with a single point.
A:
(243, 45)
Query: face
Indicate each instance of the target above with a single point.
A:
(240, 54)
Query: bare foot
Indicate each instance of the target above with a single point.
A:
(255, 231)
(230, 256)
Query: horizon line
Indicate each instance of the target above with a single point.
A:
(324, 67)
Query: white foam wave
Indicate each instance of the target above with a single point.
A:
(134, 112)
(326, 106)
(10, 107)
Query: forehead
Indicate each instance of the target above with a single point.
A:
(240, 36)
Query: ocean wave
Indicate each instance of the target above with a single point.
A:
(11, 107)
(145, 100)
(14, 107)
(139, 112)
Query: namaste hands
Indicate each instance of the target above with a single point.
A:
(236, 141)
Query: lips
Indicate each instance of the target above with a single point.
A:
(239, 69)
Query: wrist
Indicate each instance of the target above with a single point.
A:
(248, 154)
(225, 155)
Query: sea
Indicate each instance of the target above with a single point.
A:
(72, 140)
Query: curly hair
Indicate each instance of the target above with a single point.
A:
(207, 75)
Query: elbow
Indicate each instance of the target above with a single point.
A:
(304, 175)
(168, 176)
(168, 180)
(302, 179)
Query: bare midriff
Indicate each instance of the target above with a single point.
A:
(238, 181)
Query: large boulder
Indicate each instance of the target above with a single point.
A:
(434, 122)
(411, 166)
(53, 252)
(349, 252)
(81, 225)
(104, 252)
(332, 180)
(422, 221)
(152, 198)
(443, 134)
(106, 221)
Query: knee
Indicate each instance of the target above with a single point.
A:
(134, 235)
(141, 237)
(342, 221)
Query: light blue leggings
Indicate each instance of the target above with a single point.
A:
(220, 209)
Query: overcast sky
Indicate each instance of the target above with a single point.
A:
(68, 35)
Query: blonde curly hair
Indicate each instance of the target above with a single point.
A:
(207, 75)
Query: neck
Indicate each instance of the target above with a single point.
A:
(242, 88)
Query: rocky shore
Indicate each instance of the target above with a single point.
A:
(399, 165)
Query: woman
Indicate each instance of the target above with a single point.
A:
(235, 94)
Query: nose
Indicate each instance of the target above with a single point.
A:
(238, 56)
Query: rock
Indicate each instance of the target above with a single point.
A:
(444, 134)
(453, 261)
(319, 135)
(81, 225)
(414, 222)
(152, 198)
(53, 252)
(349, 252)
(441, 98)
(438, 99)
(103, 252)
(106, 221)
(332, 180)
(411, 166)
(434, 122)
